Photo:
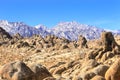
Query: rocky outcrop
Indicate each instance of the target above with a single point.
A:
(19, 71)
(40, 71)
(113, 73)
(82, 42)
(100, 70)
(22, 44)
(16, 71)
(17, 36)
(106, 49)
(63, 59)
(108, 41)
(4, 36)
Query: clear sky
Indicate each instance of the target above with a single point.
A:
(101, 13)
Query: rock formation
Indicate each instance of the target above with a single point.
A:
(108, 41)
(113, 73)
(19, 71)
(16, 71)
(4, 35)
(82, 42)
(54, 58)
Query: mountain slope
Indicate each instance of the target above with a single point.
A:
(71, 30)
(21, 28)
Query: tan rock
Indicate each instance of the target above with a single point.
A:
(82, 42)
(59, 70)
(16, 71)
(22, 44)
(100, 70)
(87, 76)
(113, 73)
(108, 41)
(97, 77)
(106, 56)
(40, 71)
(17, 36)
(4, 35)
(89, 63)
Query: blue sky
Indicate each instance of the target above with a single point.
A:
(101, 13)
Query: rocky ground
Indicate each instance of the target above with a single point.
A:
(53, 58)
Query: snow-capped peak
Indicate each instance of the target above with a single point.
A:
(40, 26)
(71, 30)
(21, 28)
(3, 22)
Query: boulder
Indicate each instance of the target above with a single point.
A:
(82, 42)
(59, 70)
(106, 56)
(100, 70)
(4, 35)
(108, 41)
(89, 63)
(87, 75)
(22, 44)
(40, 71)
(16, 71)
(113, 73)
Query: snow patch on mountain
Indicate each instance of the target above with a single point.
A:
(21, 28)
(71, 30)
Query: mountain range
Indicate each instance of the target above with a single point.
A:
(69, 30)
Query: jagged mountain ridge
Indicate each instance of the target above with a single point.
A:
(69, 30)
(21, 28)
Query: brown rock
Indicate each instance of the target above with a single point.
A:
(113, 73)
(82, 42)
(89, 63)
(59, 70)
(40, 71)
(22, 44)
(16, 71)
(88, 75)
(64, 46)
(100, 70)
(108, 41)
(17, 36)
(86, 66)
(106, 56)
(4, 35)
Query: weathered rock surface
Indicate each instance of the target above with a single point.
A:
(60, 59)
(16, 71)
(82, 42)
(19, 71)
(113, 73)
(40, 71)
(4, 36)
